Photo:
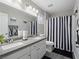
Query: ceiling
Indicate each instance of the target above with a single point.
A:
(55, 6)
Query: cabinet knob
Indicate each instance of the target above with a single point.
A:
(38, 49)
(29, 55)
(34, 46)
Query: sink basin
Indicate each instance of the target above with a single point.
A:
(5, 47)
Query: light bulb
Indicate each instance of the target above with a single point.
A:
(20, 1)
(9, 1)
(33, 9)
(36, 11)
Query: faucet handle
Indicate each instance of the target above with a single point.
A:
(9, 40)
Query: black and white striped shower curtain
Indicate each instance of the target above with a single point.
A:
(60, 32)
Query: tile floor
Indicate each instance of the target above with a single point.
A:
(56, 56)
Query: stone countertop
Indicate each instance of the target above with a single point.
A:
(28, 42)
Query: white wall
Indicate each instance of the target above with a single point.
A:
(74, 33)
(74, 37)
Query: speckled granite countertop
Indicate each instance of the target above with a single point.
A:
(28, 42)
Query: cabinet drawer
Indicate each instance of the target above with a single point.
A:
(18, 53)
(34, 47)
(38, 45)
(42, 42)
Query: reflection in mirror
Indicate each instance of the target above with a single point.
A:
(13, 30)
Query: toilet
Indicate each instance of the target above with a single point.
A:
(49, 46)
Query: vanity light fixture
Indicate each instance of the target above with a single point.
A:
(35, 10)
(20, 1)
(29, 8)
(10, 1)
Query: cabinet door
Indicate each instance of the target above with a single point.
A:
(42, 48)
(24, 57)
(39, 53)
(38, 50)
(8, 57)
(34, 54)
(19, 54)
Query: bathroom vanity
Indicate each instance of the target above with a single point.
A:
(13, 21)
(33, 48)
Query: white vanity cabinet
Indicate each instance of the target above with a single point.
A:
(3, 23)
(32, 51)
(38, 50)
